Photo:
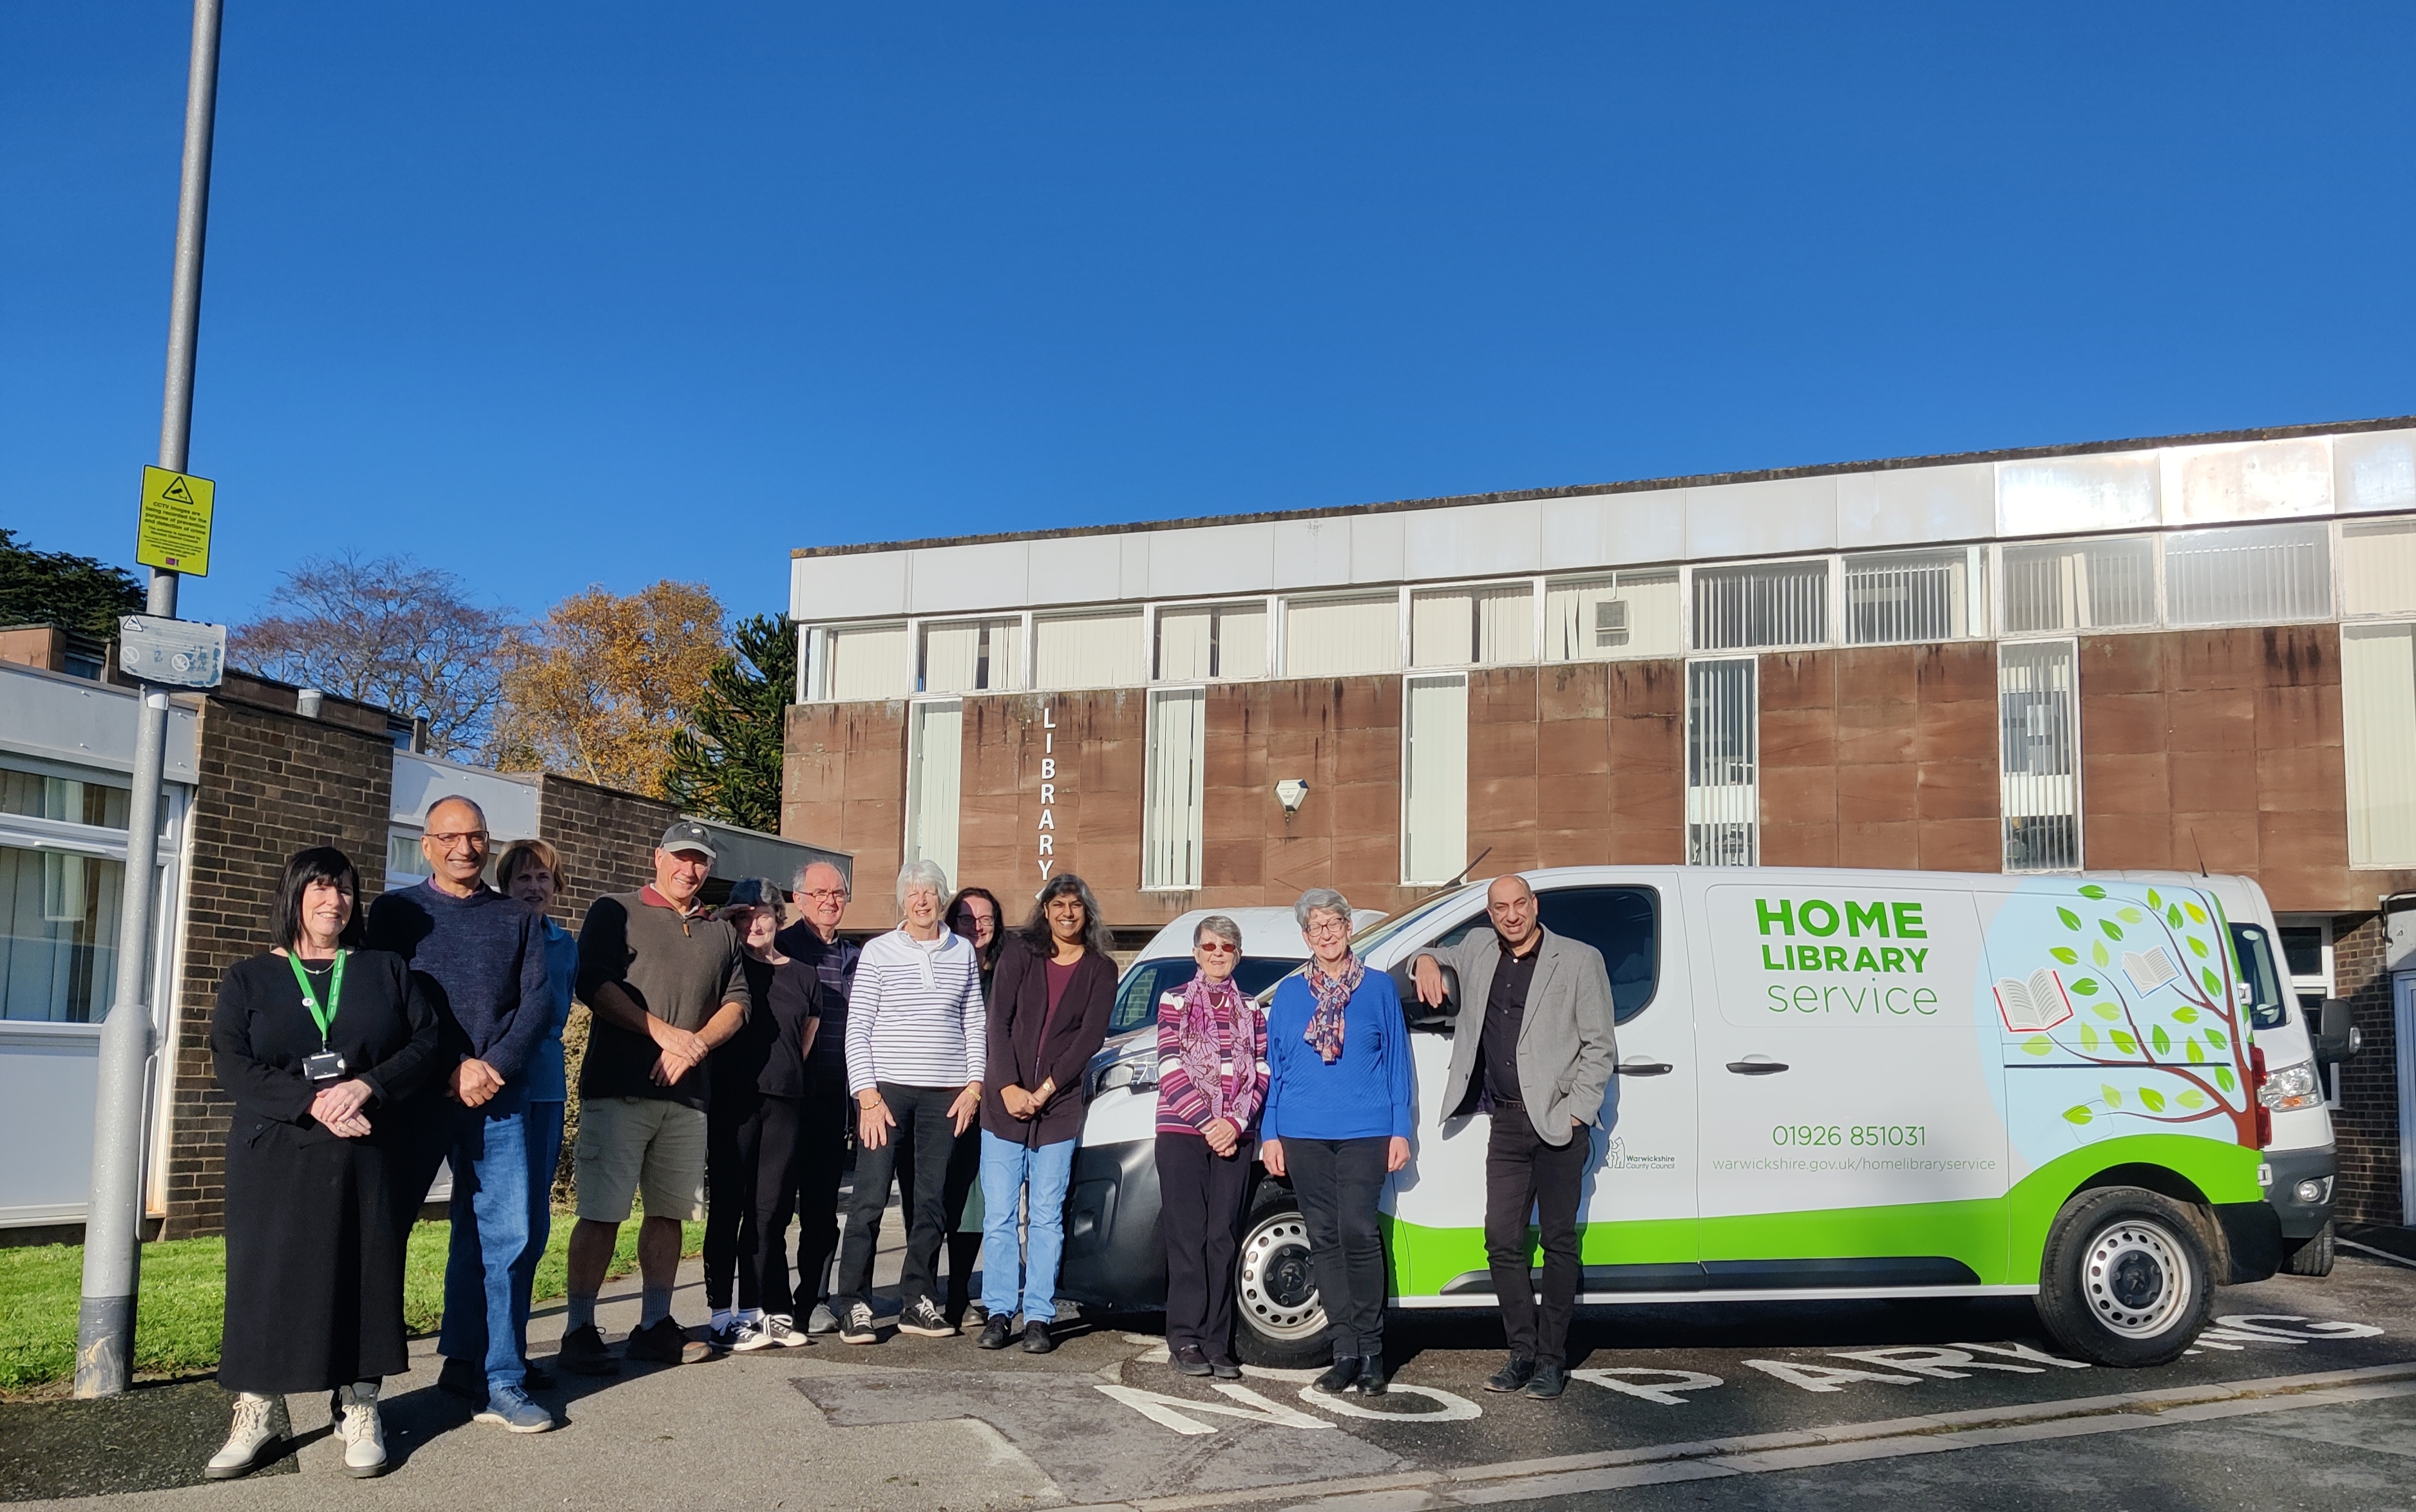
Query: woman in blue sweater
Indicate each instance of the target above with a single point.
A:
(1338, 1111)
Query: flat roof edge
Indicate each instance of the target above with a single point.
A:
(1773, 474)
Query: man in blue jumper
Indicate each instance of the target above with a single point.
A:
(480, 957)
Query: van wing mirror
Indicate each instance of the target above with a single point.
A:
(1434, 1021)
(2335, 1039)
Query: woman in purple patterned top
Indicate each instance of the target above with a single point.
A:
(1212, 1078)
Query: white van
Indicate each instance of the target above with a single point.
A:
(2092, 1090)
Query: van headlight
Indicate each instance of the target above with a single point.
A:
(2291, 1087)
(1136, 1070)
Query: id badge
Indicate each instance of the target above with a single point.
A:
(326, 1065)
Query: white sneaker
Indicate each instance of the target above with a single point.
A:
(259, 1425)
(364, 1436)
(774, 1332)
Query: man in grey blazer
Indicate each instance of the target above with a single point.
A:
(1531, 1045)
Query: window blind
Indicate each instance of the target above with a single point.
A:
(1908, 595)
(2249, 575)
(2378, 568)
(1769, 603)
(1173, 809)
(2038, 717)
(971, 656)
(1434, 779)
(2079, 585)
(1342, 637)
(866, 661)
(2379, 729)
(1616, 614)
(1217, 642)
(935, 770)
(1088, 651)
(1484, 626)
(1723, 787)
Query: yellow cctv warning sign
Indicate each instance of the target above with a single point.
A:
(175, 533)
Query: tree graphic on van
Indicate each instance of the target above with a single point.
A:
(2150, 989)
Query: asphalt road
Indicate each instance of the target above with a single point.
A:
(2306, 1395)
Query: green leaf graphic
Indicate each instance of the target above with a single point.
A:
(2173, 915)
(2093, 890)
(2198, 946)
(2123, 1042)
(2039, 1044)
(2077, 1115)
(2113, 930)
(2197, 1052)
(2107, 1011)
(2097, 953)
(2088, 1039)
(2196, 912)
(2192, 1098)
(2214, 1040)
(2222, 1078)
(2086, 987)
(2185, 1014)
(2151, 1099)
(2113, 1097)
(2163, 1041)
(2130, 915)
(2065, 954)
(2155, 902)
(2071, 920)
(2213, 983)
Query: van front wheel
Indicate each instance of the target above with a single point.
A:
(1282, 1322)
(2126, 1280)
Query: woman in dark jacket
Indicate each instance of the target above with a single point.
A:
(315, 1041)
(1056, 991)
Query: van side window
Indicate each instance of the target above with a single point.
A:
(2254, 952)
(1624, 924)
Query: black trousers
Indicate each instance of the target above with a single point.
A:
(752, 1181)
(924, 1127)
(1338, 1183)
(1200, 1219)
(964, 1246)
(821, 1166)
(1523, 1173)
(428, 1124)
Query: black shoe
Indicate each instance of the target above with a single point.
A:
(1339, 1380)
(1371, 1382)
(924, 1319)
(463, 1380)
(1037, 1339)
(535, 1377)
(996, 1334)
(1512, 1376)
(1550, 1381)
(1223, 1369)
(583, 1349)
(1191, 1360)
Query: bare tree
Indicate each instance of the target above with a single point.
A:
(388, 631)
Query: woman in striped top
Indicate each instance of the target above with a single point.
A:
(1212, 1075)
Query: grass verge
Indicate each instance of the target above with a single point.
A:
(183, 1305)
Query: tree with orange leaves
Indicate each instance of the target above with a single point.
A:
(597, 687)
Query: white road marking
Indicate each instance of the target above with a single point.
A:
(1455, 1409)
(1175, 1411)
(2023, 1352)
(1931, 1361)
(1621, 1379)
(1825, 1377)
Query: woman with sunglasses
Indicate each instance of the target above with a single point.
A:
(1212, 1072)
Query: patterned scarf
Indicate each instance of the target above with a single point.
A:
(1331, 992)
(1211, 1014)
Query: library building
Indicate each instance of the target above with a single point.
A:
(2191, 654)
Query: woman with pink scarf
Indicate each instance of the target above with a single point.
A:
(1212, 1073)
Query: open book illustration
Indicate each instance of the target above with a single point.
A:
(2042, 1004)
(2151, 970)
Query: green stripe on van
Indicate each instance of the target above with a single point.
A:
(2000, 1238)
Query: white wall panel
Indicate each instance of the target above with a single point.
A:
(1312, 553)
(1376, 548)
(1212, 559)
(1473, 541)
(1641, 528)
(1133, 564)
(1915, 506)
(1072, 569)
(509, 803)
(2375, 471)
(859, 585)
(2255, 480)
(1796, 514)
(2059, 496)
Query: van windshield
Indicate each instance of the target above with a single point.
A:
(1369, 940)
(1145, 981)
(2253, 949)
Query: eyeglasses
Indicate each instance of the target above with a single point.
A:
(827, 895)
(475, 839)
(1329, 925)
(1218, 947)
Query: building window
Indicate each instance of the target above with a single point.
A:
(2379, 728)
(405, 862)
(59, 960)
(1910, 596)
(1473, 627)
(864, 661)
(70, 800)
(1212, 642)
(1770, 603)
(1342, 637)
(2378, 568)
(1174, 811)
(2038, 716)
(1723, 792)
(1434, 779)
(934, 768)
(2079, 585)
(973, 655)
(2250, 575)
(2307, 956)
(1616, 614)
(1088, 651)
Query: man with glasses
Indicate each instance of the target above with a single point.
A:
(480, 957)
(821, 895)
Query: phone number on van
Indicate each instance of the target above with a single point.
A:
(1861, 1136)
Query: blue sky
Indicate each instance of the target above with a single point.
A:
(553, 294)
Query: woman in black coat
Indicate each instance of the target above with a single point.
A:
(314, 1041)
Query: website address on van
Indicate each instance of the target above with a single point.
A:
(1850, 1163)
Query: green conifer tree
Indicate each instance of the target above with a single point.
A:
(726, 762)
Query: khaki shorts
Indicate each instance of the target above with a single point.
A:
(643, 1146)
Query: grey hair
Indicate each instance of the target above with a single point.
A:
(921, 873)
(797, 883)
(1222, 928)
(1320, 900)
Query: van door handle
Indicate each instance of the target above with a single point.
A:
(1757, 1065)
(1645, 1068)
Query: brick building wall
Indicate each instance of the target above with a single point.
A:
(271, 783)
(843, 784)
(2365, 1127)
(606, 836)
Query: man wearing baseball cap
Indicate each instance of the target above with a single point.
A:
(666, 984)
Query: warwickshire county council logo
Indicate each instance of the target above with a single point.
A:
(1617, 1158)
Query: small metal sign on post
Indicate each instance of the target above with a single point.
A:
(172, 653)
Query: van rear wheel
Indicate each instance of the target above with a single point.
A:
(1282, 1322)
(2127, 1278)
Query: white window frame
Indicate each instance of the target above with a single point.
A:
(912, 816)
(2005, 815)
(1685, 755)
(1409, 682)
(1196, 810)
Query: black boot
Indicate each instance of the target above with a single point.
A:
(1335, 1382)
(1371, 1381)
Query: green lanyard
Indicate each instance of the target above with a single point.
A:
(324, 1018)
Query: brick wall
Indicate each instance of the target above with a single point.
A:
(271, 783)
(2365, 1127)
(606, 839)
(843, 784)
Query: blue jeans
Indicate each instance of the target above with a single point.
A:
(1007, 1170)
(503, 1182)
